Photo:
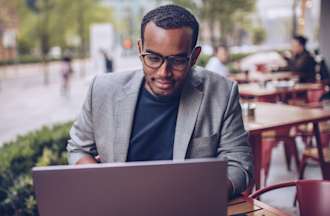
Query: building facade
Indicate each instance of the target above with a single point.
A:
(8, 29)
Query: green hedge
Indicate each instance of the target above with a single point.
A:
(238, 56)
(233, 58)
(28, 59)
(44, 147)
(203, 59)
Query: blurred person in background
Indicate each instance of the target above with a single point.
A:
(322, 71)
(300, 60)
(218, 62)
(127, 46)
(66, 72)
(108, 61)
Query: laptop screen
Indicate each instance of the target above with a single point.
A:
(162, 188)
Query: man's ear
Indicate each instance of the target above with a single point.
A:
(195, 55)
(139, 45)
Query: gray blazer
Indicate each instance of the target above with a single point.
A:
(209, 122)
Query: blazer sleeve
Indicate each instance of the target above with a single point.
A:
(82, 142)
(234, 145)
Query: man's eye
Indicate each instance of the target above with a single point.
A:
(179, 61)
(154, 58)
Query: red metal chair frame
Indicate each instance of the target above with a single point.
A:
(313, 195)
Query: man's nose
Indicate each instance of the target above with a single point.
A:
(165, 70)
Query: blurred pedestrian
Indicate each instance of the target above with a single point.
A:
(300, 60)
(108, 61)
(218, 62)
(127, 46)
(322, 71)
(66, 71)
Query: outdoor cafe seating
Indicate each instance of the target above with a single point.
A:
(306, 96)
(312, 195)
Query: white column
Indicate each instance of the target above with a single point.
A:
(325, 30)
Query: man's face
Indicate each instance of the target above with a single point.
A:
(222, 54)
(169, 77)
(296, 47)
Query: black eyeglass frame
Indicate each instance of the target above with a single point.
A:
(167, 59)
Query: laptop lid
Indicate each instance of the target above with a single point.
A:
(162, 188)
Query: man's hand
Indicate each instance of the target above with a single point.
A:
(86, 160)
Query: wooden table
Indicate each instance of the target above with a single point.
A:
(260, 93)
(269, 116)
(263, 77)
(248, 206)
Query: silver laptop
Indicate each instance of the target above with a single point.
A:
(161, 188)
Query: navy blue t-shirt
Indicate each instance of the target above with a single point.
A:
(153, 130)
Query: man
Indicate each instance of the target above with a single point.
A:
(217, 62)
(167, 111)
(108, 61)
(301, 60)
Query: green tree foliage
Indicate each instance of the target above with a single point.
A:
(192, 5)
(258, 35)
(59, 23)
(224, 13)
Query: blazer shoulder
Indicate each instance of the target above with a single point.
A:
(211, 80)
(118, 78)
(112, 81)
(105, 85)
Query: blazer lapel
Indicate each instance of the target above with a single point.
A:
(124, 116)
(191, 99)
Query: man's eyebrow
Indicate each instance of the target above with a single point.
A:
(179, 54)
(153, 52)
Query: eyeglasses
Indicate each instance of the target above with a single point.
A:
(155, 61)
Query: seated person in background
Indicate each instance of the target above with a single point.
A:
(168, 110)
(217, 62)
(321, 67)
(301, 60)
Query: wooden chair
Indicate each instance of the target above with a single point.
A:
(320, 153)
(312, 153)
(313, 195)
(268, 145)
(270, 139)
(307, 132)
(309, 99)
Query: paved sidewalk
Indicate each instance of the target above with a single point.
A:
(27, 104)
(29, 110)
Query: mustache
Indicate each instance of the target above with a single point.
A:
(168, 79)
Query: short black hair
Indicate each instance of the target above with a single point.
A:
(170, 17)
(301, 40)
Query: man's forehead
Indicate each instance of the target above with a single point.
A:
(174, 41)
(152, 27)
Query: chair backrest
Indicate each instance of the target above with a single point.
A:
(261, 191)
(313, 197)
(314, 95)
